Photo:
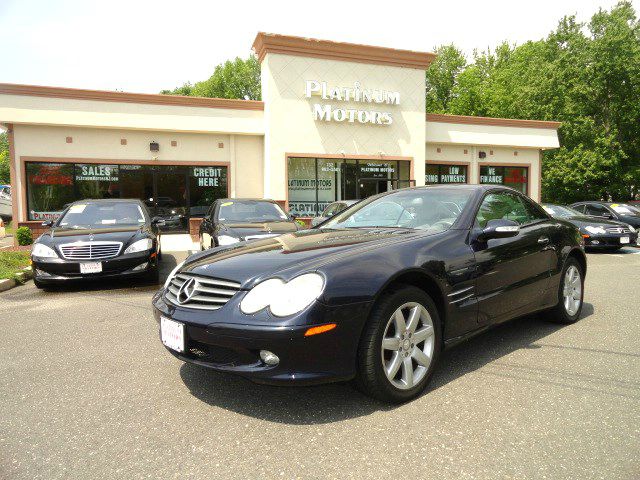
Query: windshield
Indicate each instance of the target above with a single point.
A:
(625, 209)
(250, 211)
(561, 212)
(107, 214)
(432, 209)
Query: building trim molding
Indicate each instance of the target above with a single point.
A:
(126, 97)
(347, 52)
(498, 122)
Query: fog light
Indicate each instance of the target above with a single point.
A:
(595, 242)
(269, 358)
(142, 266)
(42, 273)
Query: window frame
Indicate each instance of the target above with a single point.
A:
(527, 166)
(442, 163)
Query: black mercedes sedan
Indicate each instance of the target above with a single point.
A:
(98, 239)
(621, 212)
(377, 292)
(230, 221)
(598, 233)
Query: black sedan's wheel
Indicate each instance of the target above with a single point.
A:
(570, 293)
(400, 345)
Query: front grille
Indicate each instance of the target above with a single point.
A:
(90, 250)
(618, 230)
(201, 292)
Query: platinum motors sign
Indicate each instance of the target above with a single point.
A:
(355, 94)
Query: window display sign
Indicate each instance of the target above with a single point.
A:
(43, 216)
(514, 177)
(445, 174)
(208, 176)
(491, 175)
(91, 173)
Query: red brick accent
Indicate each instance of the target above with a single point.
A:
(69, 139)
(123, 141)
(221, 145)
(36, 229)
(194, 228)
(174, 143)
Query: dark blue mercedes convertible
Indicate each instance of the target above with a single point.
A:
(375, 293)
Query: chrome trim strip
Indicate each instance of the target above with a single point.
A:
(461, 299)
(453, 294)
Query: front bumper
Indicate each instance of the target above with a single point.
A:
(610, 240)
(225, 341)
(56, 270)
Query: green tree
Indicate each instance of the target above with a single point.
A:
(442, 76)
(237, 78)
(4, 159)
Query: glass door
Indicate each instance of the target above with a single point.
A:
(172, 198)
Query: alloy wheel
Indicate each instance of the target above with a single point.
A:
(572, 290)
(407, 345)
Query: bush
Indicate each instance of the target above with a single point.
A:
(23, 234)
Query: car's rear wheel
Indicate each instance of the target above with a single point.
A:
(570, 293)
(400, 345)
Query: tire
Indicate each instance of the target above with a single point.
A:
(373, 361)
(561, 313)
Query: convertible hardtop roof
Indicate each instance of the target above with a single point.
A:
(246, 200)
(458, 186)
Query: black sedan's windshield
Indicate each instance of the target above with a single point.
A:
(250, 211)
(102, 215)
(431, 209)
(559, 211)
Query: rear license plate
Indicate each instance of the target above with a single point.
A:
(172, 334)
(624, 239)
(91, 267)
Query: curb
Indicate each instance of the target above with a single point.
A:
(9, 283)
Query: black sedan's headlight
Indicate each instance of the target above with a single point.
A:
(140, 246)
(42, 251)
(227, 240)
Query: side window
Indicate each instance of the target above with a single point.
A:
(330, 211)
(597, 210)
(579, 208)
(536, 212)
(496, 206)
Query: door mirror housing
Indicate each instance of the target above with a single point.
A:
(47, 223)
(607, 215)
(501, 228)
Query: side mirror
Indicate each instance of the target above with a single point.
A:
(607, 215)
(157, 221)
(47, 223)
(500, 228)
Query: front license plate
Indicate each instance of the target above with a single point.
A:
(624, 239)
(91, 267)
(172, 334)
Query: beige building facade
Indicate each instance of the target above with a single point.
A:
(337, 121)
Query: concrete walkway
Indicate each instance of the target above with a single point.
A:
(178, 242)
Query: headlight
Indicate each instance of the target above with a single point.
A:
(140, 246)
(595, 230)
(631, 229)
(172, 274)
(284, 299)
(42, 251)
(227, 240)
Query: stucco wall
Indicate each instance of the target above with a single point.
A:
(290, 126)
(240, 152)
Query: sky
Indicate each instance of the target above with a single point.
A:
(148, 45)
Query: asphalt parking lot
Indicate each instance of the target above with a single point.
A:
(88, 391)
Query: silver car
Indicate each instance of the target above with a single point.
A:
(332, 209)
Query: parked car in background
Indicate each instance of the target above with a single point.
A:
(597, 232)
(377, 292)
(233, 220)
(331, 210)
(98, 239)
(6, 211)
(622, 212)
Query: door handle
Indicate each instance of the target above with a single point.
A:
(543, 240)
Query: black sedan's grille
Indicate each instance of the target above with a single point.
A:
(618, 230)
(90, 250)
(196, 291)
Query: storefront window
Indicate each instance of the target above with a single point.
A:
(313, 183)
(514, 177)
(174, 192)
(49, 189)
(445, 174)
(206, 184)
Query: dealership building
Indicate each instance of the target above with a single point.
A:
(336, 121)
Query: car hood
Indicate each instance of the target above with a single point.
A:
(266, 228)
(61, 235)
(583, 221)
(290, 254)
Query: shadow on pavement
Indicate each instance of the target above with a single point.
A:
(335, 402)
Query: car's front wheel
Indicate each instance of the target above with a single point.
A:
(570, 293)
(400, 345)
